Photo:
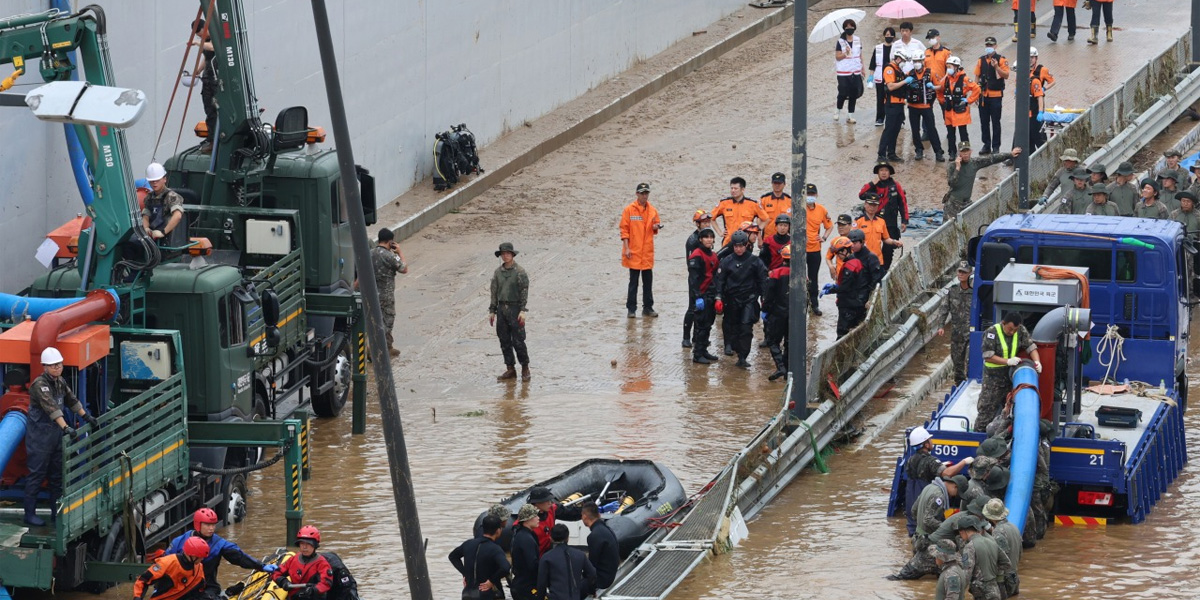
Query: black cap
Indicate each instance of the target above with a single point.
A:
(540, 494)
(810, 188)
(932, 33)
(856, 235)
(1188, 195)
(844, 219)
(870, 198)
(778, 178)
(643, 187)
(989, 41)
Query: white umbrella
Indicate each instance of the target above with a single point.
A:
(830, 26)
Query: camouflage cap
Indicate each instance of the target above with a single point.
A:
(964, 146)
(1172, 152)
(946, 550)
(527, 512)
(1070, 154)
(964, 267)
(994, 510)
(501, 512)
(993, 447)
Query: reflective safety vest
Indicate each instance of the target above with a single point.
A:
(1007, 350)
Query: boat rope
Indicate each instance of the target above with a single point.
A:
(199, 468)
(187, 51)
(1112, 344)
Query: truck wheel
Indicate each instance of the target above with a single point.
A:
(113, 548)
(330, 403)
(234, 489)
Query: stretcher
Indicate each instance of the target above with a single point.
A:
(1056, 119)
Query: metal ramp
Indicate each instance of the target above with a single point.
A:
(672, 557)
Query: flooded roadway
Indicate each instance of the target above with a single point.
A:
(605, 385)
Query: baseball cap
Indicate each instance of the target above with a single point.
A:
(643, 187)
(989, 41)
(810, 188)
(778, 178)
(844, 219)
(932, 33)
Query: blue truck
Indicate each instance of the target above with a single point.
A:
(1114, 387)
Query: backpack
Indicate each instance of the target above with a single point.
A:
(344, 586)
(454, 154)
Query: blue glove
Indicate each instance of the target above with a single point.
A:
(699, 303)
(908, 79)
(764, 316)
(828, 289)
(1041, 116)
(1042, 201)
(962, 102)
(270, 568)
(929, 85)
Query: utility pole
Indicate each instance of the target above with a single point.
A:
(1196, 31)
(797, 290)
(1021, 89)
(393, 430)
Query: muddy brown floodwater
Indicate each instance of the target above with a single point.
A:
(605, 385)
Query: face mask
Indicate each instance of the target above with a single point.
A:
(810, 199)
(936, 41)
(849, 30)
(951, 70)
(887, 39)
(988, 50)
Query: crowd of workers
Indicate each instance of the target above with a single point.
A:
(543, 566)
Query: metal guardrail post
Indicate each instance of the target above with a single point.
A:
(293, 490)
(358, 344)
(305, 443)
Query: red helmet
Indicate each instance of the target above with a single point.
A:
(195, 547)
(204, 515)
(309, 534)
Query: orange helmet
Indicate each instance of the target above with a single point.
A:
(701, 215)
(839, 243)
(786, 252)
(749, 227)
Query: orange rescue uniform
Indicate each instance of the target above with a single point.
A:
(876, 233)
(735, 213)
(638, 226)
(816, 216)
(1016, 5)
(774, 207)
(831, 255)
(1001, 72)
(1066, 3)
(970, 91)
(168, 579)
(935, 61)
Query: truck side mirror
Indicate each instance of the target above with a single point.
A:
(273, 336)
(270, 307)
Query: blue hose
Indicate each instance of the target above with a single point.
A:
(15, 308)
(1023, 467)
(12, 431)
(79, 163)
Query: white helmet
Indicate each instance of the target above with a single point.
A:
(51, 356)
(1032, 51)
(919, 436)
(954, 60)
(155, 171)
(899, 57)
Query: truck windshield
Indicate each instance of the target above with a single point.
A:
(1099, 261)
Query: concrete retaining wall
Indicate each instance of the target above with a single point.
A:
(410, 69)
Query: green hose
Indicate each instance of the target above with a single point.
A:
(1128, 241)
(818, 459)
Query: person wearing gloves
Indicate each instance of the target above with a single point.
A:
(1040, 80)
(1061, 177)
(853, 287)
(174, 576)
(741, 280)
(702, 272)
(921, 468)
(922, 94)
(49, 398)
(204, 527)
(308, 568)
(163, 209)
(956, 95)
(999, 351)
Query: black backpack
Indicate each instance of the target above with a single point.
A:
(454, 154)
(344, 586)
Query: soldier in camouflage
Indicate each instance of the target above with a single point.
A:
(1000, 346)
(952, 582)
(1008, 537)
(921, 468)
(387, 261)
(509, 296)
(983, 560)
(931, 509)
(1043, 488)
(958, 317)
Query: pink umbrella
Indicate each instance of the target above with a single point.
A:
(901, 9)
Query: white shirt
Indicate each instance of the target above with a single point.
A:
(912, 49)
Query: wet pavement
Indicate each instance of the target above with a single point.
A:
(605, 385)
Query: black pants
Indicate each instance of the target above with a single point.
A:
(990, 110)
(893, 121)
(208, 94)
(849, 318)
(880, 92)
(850, 87)
(702, 325)
(739, 324)
(1056, 24)
(1037, 137)
(1032, 20)
(1097, 7)
(511, 334)
(952, 140)
(43, 445)
(776, 330)
(647, 277)
(689, 317)
(812, 261)
(922, 119)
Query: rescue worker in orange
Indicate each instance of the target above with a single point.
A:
(174, 576)
(1061, 6)
(1032, 18)
(893, 204)
(895, 84)
(833, 260)
(1040, 80)
(774, 204)
(639, 225)
(306, 568)
(956, 96)
(875, 230)
(1098, 7)
(736, 209)
(817, 217)
(922, 92)
(991, 70)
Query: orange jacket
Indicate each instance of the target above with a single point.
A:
(1001, 72)
(970, 91)
(876, 232)
(736, 213)
(639, 226)
(1066, 3)
(774, 207)
(816, 217)
(169, 580)
(935, 61)
(831, 255)
(1032, 5)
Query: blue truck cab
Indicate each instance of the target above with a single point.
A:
(1138, 274)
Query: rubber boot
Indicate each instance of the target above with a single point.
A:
(1014, 38)
(31, 517)
(1033, 30)
(1108, 33)
(1095, 36)
(510, 373)
(780, 368)
(687, 337)
(525, 376)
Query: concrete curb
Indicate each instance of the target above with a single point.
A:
(883, 422)
(454, 200)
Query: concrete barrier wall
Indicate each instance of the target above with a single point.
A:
(410, 68)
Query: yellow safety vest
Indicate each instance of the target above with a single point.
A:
(1007, 350)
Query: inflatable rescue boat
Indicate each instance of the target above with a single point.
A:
(632, 496)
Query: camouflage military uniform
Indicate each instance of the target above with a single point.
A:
(989, 563)
(1008, 538)
(1123, 197)
(509, 295)
(386, 264)
(1043, 488)
(996, 383)
(930, 510)
(958, 316)
(1074, 201)
(952, 582)
(1190, 220)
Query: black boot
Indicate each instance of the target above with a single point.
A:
(710, 356)
(780, 364)
(700, 359)
(687, 336)
(31, 517)
(728, 349)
